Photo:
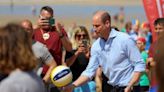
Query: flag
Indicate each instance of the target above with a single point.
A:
(153, 9)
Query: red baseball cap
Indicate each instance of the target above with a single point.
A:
(142, 39)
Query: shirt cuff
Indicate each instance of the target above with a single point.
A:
(88, 74)
(139, 68)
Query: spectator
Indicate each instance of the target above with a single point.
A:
(144, 80)
(159, 28)
(121, 15)
(79, 57)
(18, 61)
(135, 32)
(128, 27)
(146, 33)
(54, 37)
(41, 52)
(159, 57)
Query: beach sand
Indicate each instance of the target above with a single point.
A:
(67, 22)
(75, 2)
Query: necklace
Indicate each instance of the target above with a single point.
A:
(45, 36)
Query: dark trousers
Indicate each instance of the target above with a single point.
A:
(144, 88)
(110, 88)
(105, 85)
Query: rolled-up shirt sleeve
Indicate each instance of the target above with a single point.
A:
(92, 65)
(134, 55)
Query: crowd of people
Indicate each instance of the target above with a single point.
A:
(103, 59)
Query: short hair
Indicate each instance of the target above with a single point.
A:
(26, 21)
(159, 21)
(16, 49)
(128, 25)
(105, 16)
(47, 8)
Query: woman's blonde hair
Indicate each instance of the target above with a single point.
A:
(77, 30)
(16, 49)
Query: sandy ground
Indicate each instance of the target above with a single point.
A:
(67, 22)
(77, 2)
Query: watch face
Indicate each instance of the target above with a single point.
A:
(46, 36)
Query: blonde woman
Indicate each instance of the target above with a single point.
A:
(78, 58)
(80, 34)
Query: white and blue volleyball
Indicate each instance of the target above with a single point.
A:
(61, 76)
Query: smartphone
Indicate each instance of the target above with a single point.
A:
(85, 42)
(52, 21)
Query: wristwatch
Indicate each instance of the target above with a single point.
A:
(61, 35)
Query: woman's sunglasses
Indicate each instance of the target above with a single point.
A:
(80, 35)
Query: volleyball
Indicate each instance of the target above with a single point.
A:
(61, 76)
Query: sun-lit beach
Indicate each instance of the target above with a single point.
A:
(65, 20)
(77, 2)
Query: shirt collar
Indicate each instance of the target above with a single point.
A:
(112, 34)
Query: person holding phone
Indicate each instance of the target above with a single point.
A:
(52, 35)
(41, 52)
(78, 58)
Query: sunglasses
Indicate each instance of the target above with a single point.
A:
(80, 35)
